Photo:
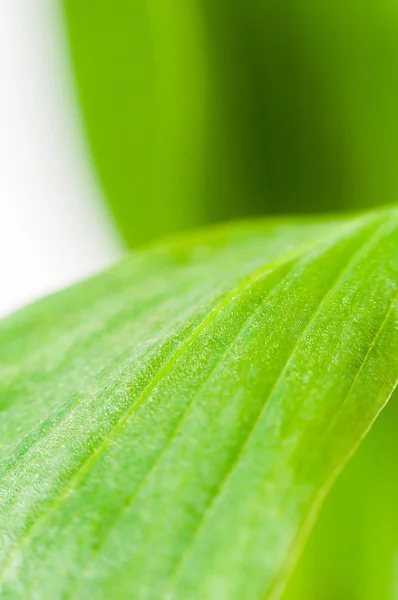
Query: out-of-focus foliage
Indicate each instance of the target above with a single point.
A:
(352, 553)
(199, 110)
(140, 69)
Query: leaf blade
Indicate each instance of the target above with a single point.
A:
(208, 371)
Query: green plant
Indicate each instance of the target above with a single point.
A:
(170, 427)
(207, 110)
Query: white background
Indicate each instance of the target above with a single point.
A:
(54, 227)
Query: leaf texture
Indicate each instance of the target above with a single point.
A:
(169, 428)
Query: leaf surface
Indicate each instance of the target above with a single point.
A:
(170, 427)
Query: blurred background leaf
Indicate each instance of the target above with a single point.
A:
(139, 68)
(205, 110)
(200, 110)
(352, 553)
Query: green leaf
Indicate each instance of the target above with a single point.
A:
(170, 427)
(352, 551)
(212, 110)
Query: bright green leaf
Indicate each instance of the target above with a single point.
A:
(170, 428)
(352, 551)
